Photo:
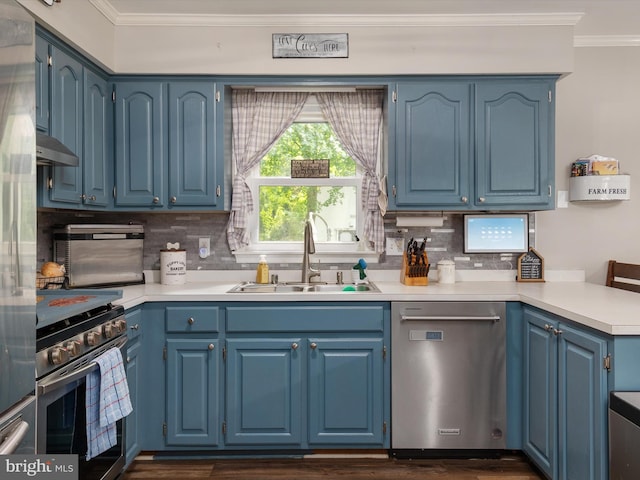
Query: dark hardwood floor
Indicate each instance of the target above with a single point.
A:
(513, 467)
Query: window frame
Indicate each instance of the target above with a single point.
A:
(291, 251)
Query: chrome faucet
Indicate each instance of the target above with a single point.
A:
(308, 272)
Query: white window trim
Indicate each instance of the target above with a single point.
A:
(291, 252)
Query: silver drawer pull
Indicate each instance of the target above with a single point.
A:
(417, 318)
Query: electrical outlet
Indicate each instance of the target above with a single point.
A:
(395, 246)
(204, 247)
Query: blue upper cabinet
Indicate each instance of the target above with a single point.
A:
(473, 144)
(66, 125)
(433, 145)
(514, 147)
(42, 84)
(98, 141)
(140, 144)
(194, 176)
(166, 145)
(73, 104)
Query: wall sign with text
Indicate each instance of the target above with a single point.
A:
(310, 168)
(310, 45)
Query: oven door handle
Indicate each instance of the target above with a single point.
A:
(13, 440)
(44, 388)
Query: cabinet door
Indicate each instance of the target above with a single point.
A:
(140, 144)
(432, 145)
(514, 154)
(582, 411)
(98, 141)
(540, 391)
(42, 84)
(133, 421)
(192, 392)
(264, 391)
(193, 176)
(66, 125)
(346, 378)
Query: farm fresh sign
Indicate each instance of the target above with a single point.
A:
(310, 45)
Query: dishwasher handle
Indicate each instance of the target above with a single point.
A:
(459, 318)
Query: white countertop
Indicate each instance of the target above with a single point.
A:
(608, 310)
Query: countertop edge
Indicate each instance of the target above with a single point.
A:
(604, 309)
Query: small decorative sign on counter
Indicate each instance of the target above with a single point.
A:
(310, 168)
(530, 267)
(310, 45)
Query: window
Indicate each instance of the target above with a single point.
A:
(282, 203)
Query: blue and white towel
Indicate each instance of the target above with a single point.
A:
(107, 401)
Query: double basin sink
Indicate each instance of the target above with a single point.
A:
(250, 287)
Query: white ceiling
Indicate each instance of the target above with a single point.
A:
(594, 17)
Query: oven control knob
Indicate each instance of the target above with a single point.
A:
(58, 356)
(107, 330)
(121, 325)
(92, 338)
(73, 347)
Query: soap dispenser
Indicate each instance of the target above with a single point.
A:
(262, 274)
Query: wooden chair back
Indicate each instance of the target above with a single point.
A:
(619, 274)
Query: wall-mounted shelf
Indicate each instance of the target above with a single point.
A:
(600, 187)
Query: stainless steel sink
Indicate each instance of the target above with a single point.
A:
(250, 287)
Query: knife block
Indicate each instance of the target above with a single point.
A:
(412, 273)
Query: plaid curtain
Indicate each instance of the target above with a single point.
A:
(356, 118)
(259, 119)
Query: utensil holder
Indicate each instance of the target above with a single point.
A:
(414, 271)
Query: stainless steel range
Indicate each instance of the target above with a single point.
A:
(73, 329)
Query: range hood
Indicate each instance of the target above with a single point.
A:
(51, 151)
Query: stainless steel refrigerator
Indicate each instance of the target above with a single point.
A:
(17, 229)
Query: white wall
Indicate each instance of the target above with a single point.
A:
(597, 111)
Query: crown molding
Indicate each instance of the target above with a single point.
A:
(386, 20)
(606, 41)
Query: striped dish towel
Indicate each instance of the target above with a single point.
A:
(107, 401)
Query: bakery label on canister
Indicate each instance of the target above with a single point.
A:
(173, 265)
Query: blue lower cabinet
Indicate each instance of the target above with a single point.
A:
(582, 400)
(264, 391)
(346, 395)
(133, 421)
(565, 398)
(193, 385)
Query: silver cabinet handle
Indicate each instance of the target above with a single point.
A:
(464, 199)
(92, 198)
(294, 346)
(173, 199)
(481, 199)
(313, 345)
(557, 331)
(135, 327)
(211, 346)
(191, 321)
(156, 199)
(548, 327)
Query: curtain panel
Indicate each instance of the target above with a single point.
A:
(259, 119)
(356, 118)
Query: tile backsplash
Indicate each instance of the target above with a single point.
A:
(444, 242)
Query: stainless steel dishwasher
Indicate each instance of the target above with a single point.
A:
(448, 376)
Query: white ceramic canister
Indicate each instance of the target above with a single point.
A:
(173, 265)
(446, 271)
